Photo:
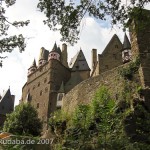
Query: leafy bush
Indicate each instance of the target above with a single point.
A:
(97, 126)
(23, 121)
(131, 69)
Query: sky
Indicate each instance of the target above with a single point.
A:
(13, 74)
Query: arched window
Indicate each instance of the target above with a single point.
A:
(60, 96)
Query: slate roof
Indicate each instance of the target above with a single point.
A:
(62, 89)
(126, 43)
(115, 37)
(56, 49)
(6, 103)
(33, 64)
(78, 62)
(73, 81)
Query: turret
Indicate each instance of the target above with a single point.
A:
(126, 51)
(55, 53)
(43, 56)
(94, 58)
(32, 68)
(64, 57)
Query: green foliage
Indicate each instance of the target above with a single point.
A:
(99, 126)
(140, 119)
(67, 16)
(9, 43)
(130, 70)
(57, 122)
(23, 121)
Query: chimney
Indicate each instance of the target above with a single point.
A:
(94, 58)
(64, 58)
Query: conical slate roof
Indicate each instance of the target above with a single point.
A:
(34, 63)
(126, 43)
(56, 49)
(62, 89)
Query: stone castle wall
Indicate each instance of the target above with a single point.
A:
(42, 87)
(84, 92)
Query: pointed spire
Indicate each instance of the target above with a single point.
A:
(34, 63)
(59, 50)
(55, 47)
(62, 89)
(126, 43)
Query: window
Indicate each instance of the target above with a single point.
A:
(46, 89)
(60, 96)
(45, 80)
(126, 54)
(39, 84)
(37, 105)
(40, 93)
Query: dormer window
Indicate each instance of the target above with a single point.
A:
(126, 56)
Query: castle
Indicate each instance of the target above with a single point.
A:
(53, 82)
(53, 77)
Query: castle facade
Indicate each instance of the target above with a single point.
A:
(50, 80)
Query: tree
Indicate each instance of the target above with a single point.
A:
(9, 43)
(67, 15)
(23, 121)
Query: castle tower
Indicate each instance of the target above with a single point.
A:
(140, 43)
(55, 53)
(32, 68)
(94, 58)
(64, 55)
(126, 51)
(43, 56)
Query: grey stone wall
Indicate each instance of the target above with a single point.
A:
(84, 92)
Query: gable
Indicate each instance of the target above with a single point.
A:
(6, 103)
(113, 43)
(78, 62)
